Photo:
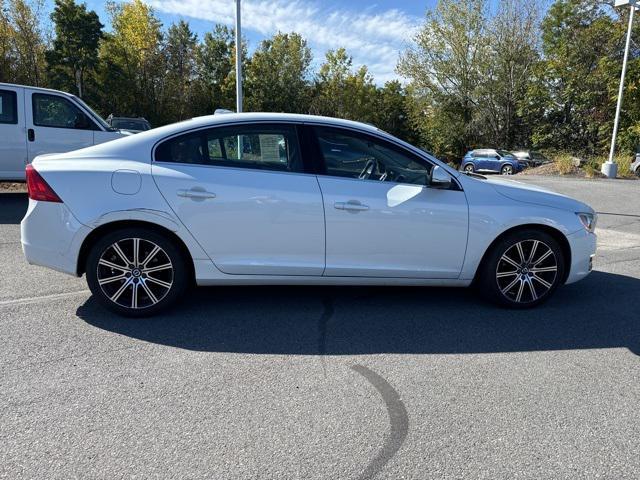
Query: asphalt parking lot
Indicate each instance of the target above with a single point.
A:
(331, 383)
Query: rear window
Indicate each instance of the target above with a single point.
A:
(8, 107)
(130, 124)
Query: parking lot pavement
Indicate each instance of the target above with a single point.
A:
(331, 383)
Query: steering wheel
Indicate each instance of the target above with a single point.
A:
(372, 166)
(368, 169)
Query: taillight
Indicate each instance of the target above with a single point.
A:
(39, 189)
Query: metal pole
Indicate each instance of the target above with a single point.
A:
(238, 59)
(610, 168)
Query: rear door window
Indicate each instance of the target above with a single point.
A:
(8, 107)
(263, 147)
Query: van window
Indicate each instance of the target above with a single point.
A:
(58, 112)
(8, 107)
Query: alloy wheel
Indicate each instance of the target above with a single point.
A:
(468, 168)
(527, 271)
(135, 273)
(507, 170)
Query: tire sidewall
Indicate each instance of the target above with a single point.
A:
(180, 276)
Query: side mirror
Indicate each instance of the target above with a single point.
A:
(439, 178)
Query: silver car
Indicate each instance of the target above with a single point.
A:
(635, 166)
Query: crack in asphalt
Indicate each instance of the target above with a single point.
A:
(398, 421)
(619, 214)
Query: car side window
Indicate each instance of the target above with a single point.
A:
(263, 147)
(58, 112)
(8, 107)
(353, 155)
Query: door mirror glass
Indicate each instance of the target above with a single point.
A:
(439, 178)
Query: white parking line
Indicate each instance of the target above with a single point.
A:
(616, 240)
(53, 296)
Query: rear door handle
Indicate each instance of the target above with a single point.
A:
(31, 134)
(351, 205)
(197, 194)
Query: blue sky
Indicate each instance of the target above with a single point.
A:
(373, 33)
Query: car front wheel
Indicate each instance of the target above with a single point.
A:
(469, 168)
(507, 170)
(523, 269)
(136, 272)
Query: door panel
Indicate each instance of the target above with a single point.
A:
(249, 222)
(264, 218)
(393, 230)
(58, 125)
(13, 139)
(381, 219)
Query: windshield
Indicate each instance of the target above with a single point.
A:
(129, 124)
(504, 153)
(95, 116)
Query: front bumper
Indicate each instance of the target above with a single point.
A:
(51, 236)
(583, 250)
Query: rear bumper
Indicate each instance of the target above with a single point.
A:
(583, 249)
(51, 236)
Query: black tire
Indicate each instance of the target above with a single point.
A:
(507, 170)
(495, 275)
(469, 168)
(151, 293)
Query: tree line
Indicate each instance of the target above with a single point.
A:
(511, 75)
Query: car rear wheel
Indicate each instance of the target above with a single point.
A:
(469, 168)
(523, 269)
(506, 170)
(136, 272)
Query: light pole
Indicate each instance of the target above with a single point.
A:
(610, 168)
(238, 59)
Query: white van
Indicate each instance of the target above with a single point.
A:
(34, 121)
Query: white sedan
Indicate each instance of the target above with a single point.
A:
(240, 199)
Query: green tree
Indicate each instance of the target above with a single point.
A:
(214, 65)
(392, 113)
(277, 75)
(75, 49)
(445, 68)
(513, 39)
(133, 64)
(341, 91)
(181, 52)
(571, 103)
(6, 52)
(22, 44)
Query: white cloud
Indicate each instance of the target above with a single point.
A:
(372, 38)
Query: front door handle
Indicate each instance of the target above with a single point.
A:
(196, 194)
(351, 206)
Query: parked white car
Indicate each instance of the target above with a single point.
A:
(34, 121)
(292, 199)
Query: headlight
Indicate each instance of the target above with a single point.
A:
(588, 220)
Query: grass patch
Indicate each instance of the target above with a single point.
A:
(564, 164)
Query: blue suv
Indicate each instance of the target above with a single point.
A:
(491, 160)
